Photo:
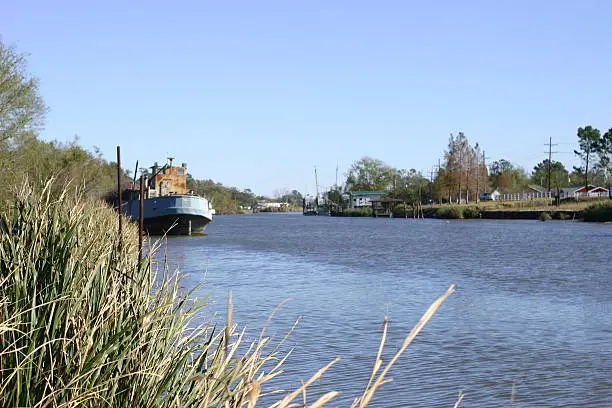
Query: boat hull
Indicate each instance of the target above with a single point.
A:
(183, 224)
(172, 215)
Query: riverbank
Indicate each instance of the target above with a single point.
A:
(475, 212)
(587, 210)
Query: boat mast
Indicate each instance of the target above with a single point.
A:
(316, 183)
(336, 176)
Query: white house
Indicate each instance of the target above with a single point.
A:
(489, 196)
(363, 198)
(271, 205)
(582, 191)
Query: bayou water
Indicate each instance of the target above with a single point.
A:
(530, 323)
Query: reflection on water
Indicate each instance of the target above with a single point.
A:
(532, 305)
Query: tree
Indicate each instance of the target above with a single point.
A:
(588, 140)
(604, 153)
(577, 177)
(558, 174)
(412, 187)
(21, 114)
(370, 174)
(334, 197)
(279, 193)
(21, 108)
(463, 169)
(292, 197)
(507, 177)
(500, 174)
(499, 167)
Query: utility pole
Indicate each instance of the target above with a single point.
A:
(484, 163)
(550, 152)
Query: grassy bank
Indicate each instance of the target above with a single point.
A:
(357, 212)
(535, 204)
(598, 212)
(84, 323)
(457, 212)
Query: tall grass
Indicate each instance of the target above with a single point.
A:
(84, 323)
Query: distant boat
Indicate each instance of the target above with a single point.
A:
(315, 205)
(309, 206)
(168, 207)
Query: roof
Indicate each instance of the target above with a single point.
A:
(537, 188)
(368, 192)
(574, 189)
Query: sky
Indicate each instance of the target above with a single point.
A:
(255, 94)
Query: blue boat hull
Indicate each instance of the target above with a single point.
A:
(172, 215)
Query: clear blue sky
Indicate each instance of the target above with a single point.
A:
(255, 93)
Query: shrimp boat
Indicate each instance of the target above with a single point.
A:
(168, 207)
(317, 205)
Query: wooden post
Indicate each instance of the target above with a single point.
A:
(141, 218)
(119, 201)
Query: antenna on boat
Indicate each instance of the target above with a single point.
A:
(170, 161)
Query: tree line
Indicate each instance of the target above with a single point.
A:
(24, 156)
(231, 200)
(460, 177)
(464, 173)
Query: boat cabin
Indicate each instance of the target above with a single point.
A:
(167, 180)
(163, 181)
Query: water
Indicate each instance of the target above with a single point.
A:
(532, 307)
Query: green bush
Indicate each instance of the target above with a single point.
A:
(358, 212)
(401, 211)
(471, 212)
(545, 216)
(449, 212)
(598, 212)
(561, 215)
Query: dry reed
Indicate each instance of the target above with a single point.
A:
(84, 323)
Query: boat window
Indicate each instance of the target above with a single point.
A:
(180, 171)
